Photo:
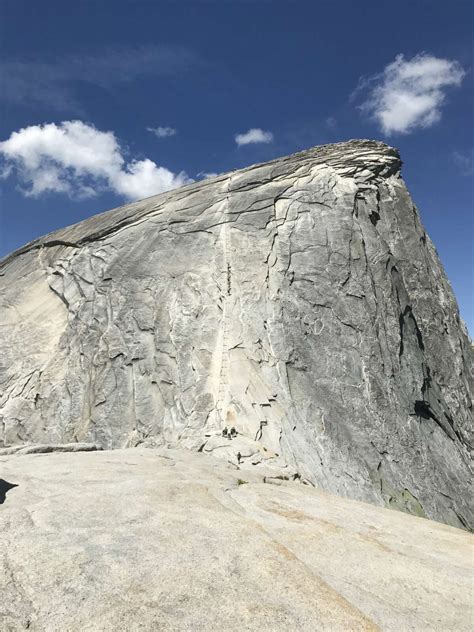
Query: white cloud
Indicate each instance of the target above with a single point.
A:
(331, 122)
(254, 135)
(77, 159)
(409, 94)
(207, 174)
(162, 132)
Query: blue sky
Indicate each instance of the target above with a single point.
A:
(174, 83)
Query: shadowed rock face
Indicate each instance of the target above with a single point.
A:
(299, 303)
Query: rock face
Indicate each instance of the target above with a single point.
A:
(168, 540)
(293, 313)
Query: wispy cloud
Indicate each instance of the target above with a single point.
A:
(254, 135)
(76, 159)
(409, 94)
(331, 122)
(162, 132)
(54, 83)
(206, 174)
(464, 161)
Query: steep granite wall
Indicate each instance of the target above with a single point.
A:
(293, 312)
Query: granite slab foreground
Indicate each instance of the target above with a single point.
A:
(144, 539)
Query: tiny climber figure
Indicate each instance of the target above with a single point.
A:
(230, 433)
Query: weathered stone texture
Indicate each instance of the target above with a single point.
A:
(145, 540)
(299, 302)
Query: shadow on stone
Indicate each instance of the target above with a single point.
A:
(5, 487)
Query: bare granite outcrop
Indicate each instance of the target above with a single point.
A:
(293, 314)
(170, 540)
